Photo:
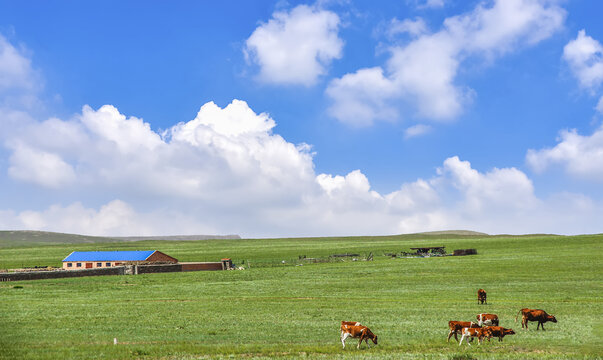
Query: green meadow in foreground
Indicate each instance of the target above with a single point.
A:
(282, 310)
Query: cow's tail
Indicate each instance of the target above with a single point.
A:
(517, 315)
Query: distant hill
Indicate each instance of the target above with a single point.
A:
(179, 237)
(454, 232)
(22, 237)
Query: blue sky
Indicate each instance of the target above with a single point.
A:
(274, 118)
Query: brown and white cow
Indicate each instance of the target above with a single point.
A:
(487, 319)
(535, 315)
(481, 296)
(456, 327)
(470, 333)
(351, 323)
(497, 331)
(357, 332)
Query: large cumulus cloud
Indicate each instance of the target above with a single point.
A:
(226, 171)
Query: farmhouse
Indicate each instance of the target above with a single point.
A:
(78, 260)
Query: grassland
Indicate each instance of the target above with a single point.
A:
(286, 311)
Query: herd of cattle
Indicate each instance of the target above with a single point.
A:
(486, 326)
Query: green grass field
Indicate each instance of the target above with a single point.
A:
(286, 311)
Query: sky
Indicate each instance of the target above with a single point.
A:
(285, 119)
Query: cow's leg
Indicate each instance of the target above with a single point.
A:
(360, 342)
(542, 325)
(462, 338)
(345, 336)
(450, 333)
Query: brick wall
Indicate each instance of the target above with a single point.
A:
(161, 257)
(201, 266)
(149, 269)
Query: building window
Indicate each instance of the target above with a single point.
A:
(69, 264)
(99, 264)
(108, 264)
(79, 264)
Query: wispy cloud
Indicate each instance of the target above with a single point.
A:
(423, 72)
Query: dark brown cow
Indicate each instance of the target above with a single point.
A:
(522, 311)
(535, 315)
(470, 333)
(497, 331)
(361, 332)
(481, 296)
(487, 319)
(456, 327)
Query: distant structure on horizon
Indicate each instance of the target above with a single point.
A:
(78, 260)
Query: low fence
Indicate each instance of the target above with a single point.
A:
(116, 270)
(463, 252)
(56, 274)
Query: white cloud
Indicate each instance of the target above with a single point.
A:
(414, 27)
(599, 106)
(580, 156)
(584, 56)
(423, 72)
(500, 188)
(360, 98)
(116, 218)
(224, 158)
(40, 167)
(295, 47)
(225, 172)
(15, 69)
(429, 4)
(128, 134)
(417, 130)
(19, 81)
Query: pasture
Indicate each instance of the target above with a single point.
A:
(276, 310)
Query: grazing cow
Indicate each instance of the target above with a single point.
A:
(487, 319)
(470, 333)
(535, 315)
(352, 323)
(456, 327)
(481, 296)
(522, 311)
(357, 331)
(497, 331)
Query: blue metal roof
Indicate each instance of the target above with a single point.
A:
(140, 255)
